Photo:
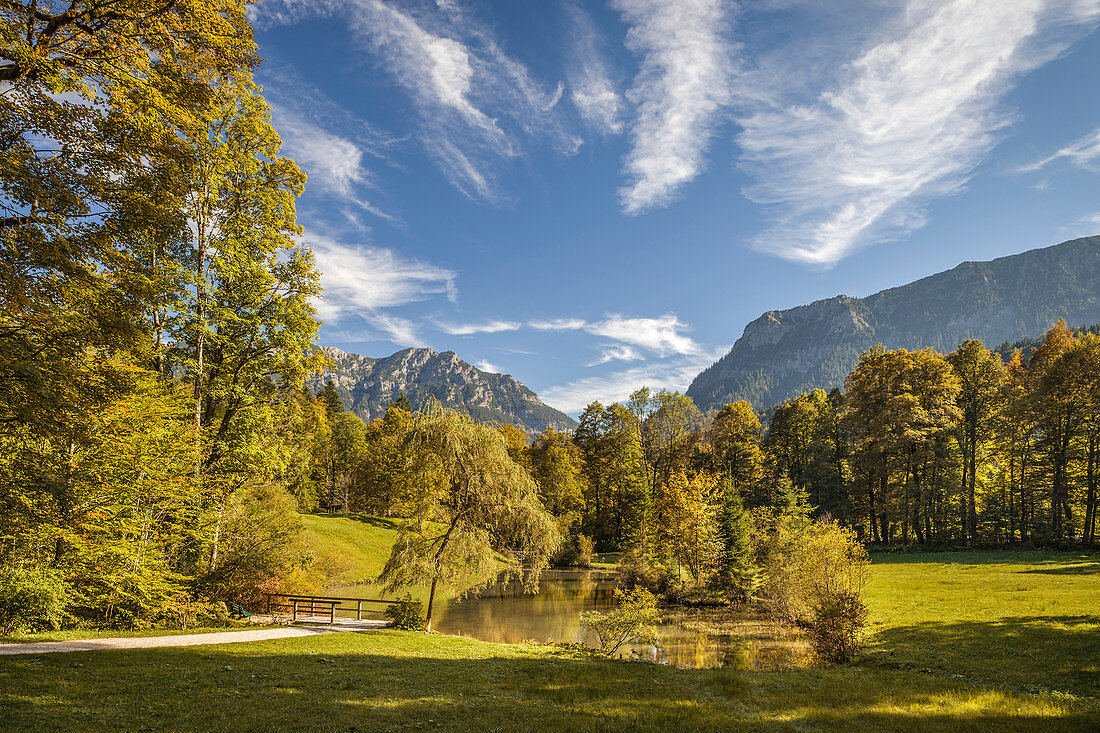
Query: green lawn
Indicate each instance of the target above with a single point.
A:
(984, 641)
(1026, 619)
(359, 542)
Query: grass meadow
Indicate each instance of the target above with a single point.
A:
(959, 641)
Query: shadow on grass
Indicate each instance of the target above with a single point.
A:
(383, 522)
(1008, 556)
(1079, 568)
(418, 684)
(1028, 654)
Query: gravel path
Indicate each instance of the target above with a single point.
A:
(219, 637)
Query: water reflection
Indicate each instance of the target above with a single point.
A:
(503, 613)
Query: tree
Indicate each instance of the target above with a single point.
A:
(471, 501)
(1060, 412)
(735, 441)
(897, 405)
(980, 373)
(737, 573)
(633, 620)
(556, 465)
(333, 404)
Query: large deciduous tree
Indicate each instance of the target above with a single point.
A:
(470, 502)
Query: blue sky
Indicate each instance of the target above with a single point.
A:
(592, 196)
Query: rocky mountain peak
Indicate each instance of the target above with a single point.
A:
(367, 386)
(786, 352)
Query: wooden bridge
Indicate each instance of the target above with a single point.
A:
(314, 608)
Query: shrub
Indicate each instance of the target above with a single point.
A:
(406, 614)
(836, 630)
(632, 621)
(586, 551)
(806, 564)
(31, 599)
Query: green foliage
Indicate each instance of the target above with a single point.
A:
(31, 599)
(737, 574)
(632, 621)
(406, 614)
(470, 502)
(836, 629)
(586, 551)
(576, 551)
(807, 565)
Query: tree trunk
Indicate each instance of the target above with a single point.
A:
(200, 312)
(971, 506)
(431, 604)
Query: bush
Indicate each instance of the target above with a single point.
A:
(406, 614)
(807, 564)
(632, 621)
(837, 628)
(32, 599)
(586, 551)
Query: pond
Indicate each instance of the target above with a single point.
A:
(503, 613)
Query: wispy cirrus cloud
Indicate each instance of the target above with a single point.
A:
(1083, 153)
(680, 92)
(850, 160)
(469, 329)
(332, 163)
(592, 90)
(661, 336)
(673, 374)
(476, 106)
(617, 352)
(332, 145)
(364, 281)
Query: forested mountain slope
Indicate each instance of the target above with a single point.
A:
(784, 353)
(367, 386)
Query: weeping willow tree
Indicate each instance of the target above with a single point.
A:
(471, 503)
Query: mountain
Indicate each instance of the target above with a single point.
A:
(784, 353)
(367, 386)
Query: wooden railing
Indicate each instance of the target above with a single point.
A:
(305, 605)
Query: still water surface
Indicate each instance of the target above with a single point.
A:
(503, 613)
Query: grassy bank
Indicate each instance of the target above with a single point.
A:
(360, 544)
(983, 641)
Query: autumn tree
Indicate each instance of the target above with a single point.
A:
(980, 373)
(734, 435)
(470, 502)
(898, 404)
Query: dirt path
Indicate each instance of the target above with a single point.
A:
(218, 637)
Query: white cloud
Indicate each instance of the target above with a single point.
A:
(475, 105)
(559, 324)
(591, 89)
(331, 162)
(364, 281)
(852, 160)
(1086, 226)
(1084, 153)
(468, 329)
(400, 331)
(487, 366)
(617, 352)
(661, 334)
(682, 86)
(673, 374)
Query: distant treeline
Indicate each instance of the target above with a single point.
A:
(966, 449)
